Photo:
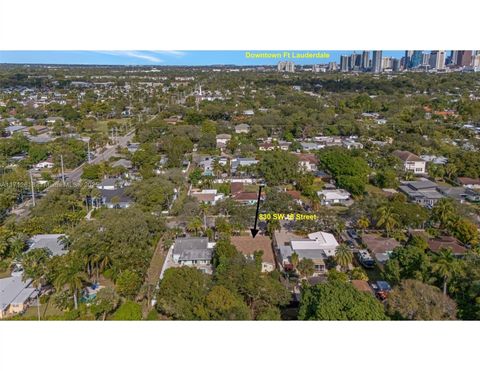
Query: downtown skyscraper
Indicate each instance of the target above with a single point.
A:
(377, 61)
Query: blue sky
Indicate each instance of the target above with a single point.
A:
(177, 58)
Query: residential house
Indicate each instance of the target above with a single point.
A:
(334, 197)
(423, 191)
(248, 246)
(242, 128)
(242, 163)
(437, 160)
(247, 198)
(380, 247)
(115, 198)
(54, 243)
(193, 252)
(110, 184)
(362, 286)
(446, 242)
(411, 162)
(208, 196)
(317, 247)
(123, 162)
(15, 295)
(222, 140)
(47, 164)
(11, 130)
(307, 162)
(469, 182)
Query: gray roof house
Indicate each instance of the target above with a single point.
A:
(52, 242)
(15, 294)
(193, 252)
(423, 192)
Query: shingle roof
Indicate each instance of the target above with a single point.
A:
(248, 245)
(407, 156)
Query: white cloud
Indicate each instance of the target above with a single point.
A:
(176, 53)
(134, 54)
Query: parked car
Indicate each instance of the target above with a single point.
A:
(365, 259)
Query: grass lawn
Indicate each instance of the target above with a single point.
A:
(46, 310)
(371, 189)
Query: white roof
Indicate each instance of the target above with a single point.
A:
(334, 194)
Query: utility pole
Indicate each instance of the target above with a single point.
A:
(63, 173)
(33, 188)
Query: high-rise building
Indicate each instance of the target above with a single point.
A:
(344, 61)
(416, 59)
(437, 59)
(396, 64)
(408, 58)
(377, 61)
(464, 58)
(332, 66)
(453, 59)
(425, 59)
(365, 59)
(286, 66)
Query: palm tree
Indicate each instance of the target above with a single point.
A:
(204, 207)
(35, 267)
(443, 212)
(445, 265)
(343, 256)
(272, 226)
(72, 276)
(363, 223)
(17, 244)
(194, 225)
(387, 219)
(294, 259)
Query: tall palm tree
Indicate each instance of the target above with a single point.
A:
(72, 276)
(387, 219)
(294, 259)
(17, 244)
(343, 256)
(445, 265)
(204, 207)
(194, 225)
(443, 212)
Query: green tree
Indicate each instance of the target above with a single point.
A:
(106, 301)
(445, 265)
(387, 219)
(222, 304)
(306, 267)
(336, 300)
(128, 311)
(343, 256)
(415, 300)
(128, 283)
(182, 293)
(71, 275)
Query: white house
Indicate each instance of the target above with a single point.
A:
(333, 196)
(411, 162)
(222, 140)
(242, 129)
(47, 164)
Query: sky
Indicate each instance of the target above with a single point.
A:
(165, 58)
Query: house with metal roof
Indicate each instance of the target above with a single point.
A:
(15, 295)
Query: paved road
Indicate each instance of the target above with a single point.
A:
(23, 209)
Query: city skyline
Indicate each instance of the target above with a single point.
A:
(168, 58)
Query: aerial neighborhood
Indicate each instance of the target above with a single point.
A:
(240, 193)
